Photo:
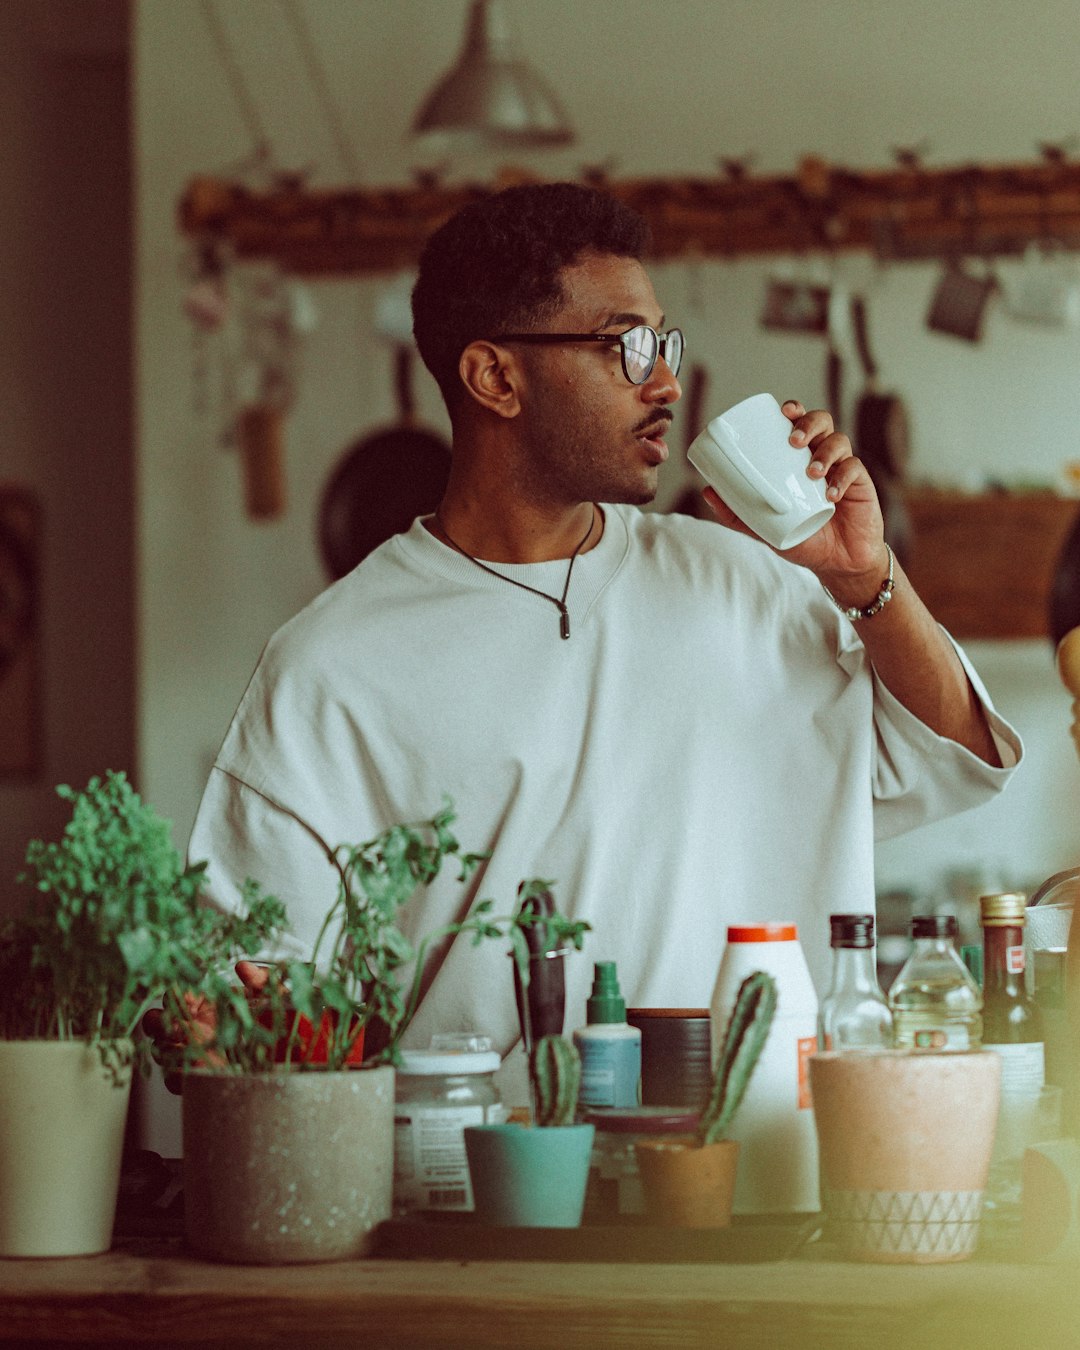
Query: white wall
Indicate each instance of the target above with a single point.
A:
(657, 88)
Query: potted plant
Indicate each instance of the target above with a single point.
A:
(536, 1175)
(689, 1181)
(288, 1149)
(113, 922)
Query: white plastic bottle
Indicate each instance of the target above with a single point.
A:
(778, 1162)
(609, 1047)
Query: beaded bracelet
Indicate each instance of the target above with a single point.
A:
(876, 605)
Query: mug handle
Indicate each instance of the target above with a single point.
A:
(757, 480)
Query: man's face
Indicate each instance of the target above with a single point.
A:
(588, 433)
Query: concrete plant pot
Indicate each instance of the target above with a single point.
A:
(287, 1166)
(905, 1140)
(62, 1117)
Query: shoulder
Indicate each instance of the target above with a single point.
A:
(705, 549)
(346, 611)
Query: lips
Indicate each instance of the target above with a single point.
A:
(653, 436)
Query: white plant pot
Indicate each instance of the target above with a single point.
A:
(62, 1117)
(287, 1167)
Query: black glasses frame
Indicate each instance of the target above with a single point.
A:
(663, 345)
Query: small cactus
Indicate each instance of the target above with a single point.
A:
(744, 1040)
(555, 1070)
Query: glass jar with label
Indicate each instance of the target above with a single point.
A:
(615, 1190)
(440, 1091)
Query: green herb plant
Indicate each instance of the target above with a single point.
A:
(114, 924)
(312, 1013)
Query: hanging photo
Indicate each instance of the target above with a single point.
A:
(19, 694)
(796, 307)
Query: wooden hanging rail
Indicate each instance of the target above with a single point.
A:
(906, 212)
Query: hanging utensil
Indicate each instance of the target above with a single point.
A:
(880, 431)
(382, 482)
(542, 1006)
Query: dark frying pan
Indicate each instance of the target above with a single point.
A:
(880, 420)
(881, 438)
(1064, 602)
(690, 501)
(880, 424)
(382, 482)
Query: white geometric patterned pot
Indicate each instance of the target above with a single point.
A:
(905, 1138)
(904, 1225)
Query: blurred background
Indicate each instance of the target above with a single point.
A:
(130, 347)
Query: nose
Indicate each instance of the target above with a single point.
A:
(662, 386)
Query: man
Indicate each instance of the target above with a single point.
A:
(670, 720)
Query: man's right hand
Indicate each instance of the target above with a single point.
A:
(171, 1032)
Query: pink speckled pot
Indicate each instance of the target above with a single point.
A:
(905, 1138)
(287, 1167)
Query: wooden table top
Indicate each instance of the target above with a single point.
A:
(154, 1292)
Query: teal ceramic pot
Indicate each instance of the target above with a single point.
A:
(531, 1177)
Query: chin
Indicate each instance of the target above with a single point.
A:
(640, 494)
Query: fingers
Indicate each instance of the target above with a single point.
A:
(254, 975)
(831, 452)
(167, 1043)
(724, 514)
(154, 1025)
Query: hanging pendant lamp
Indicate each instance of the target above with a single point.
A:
(492, 97)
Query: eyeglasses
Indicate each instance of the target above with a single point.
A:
(641, 346)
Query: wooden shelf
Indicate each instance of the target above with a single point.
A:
(898, 213)
(984, 564)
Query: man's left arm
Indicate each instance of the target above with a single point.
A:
(909, 651)
(917, 663)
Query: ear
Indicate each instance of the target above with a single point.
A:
(492, 377)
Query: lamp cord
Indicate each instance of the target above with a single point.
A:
(248, 111)
(241, 90)
(317, 75)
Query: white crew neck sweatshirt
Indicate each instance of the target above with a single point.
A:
(709, 747)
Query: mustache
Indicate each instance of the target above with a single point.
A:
(659, 420)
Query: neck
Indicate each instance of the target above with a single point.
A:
(515, 533)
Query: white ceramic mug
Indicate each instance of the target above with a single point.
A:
(745, 454)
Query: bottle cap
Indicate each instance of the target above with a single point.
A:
(763, 932)
(851, 930)
(605, 1003)
(1003, 911)
(934, 926)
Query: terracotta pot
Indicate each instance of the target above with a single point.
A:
(62, 1116)
(287, 1166)
(687, 1184)
(529, 1176)
(905, 1140)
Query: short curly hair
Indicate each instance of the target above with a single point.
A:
(494, 266)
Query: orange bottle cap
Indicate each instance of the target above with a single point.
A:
(763, 932)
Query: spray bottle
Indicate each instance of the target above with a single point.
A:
(610, 1048)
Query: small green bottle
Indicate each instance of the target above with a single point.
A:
(609, 1047)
